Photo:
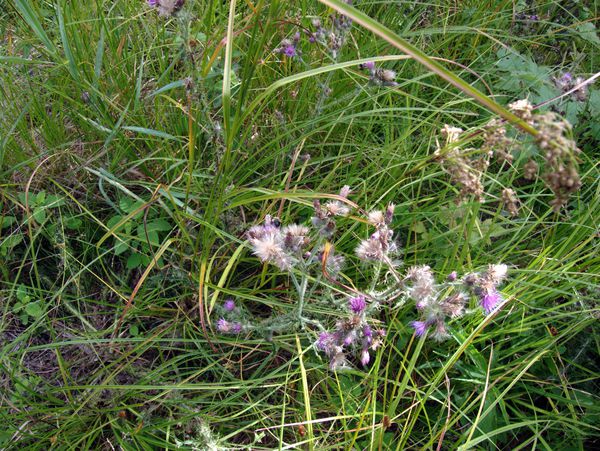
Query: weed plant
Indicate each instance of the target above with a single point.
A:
(140, 142)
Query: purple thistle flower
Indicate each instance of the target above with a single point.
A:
(452, 276)
(357, 304)
(489, 301)
(365, 357)
(236, 328)
(223, 326)
(152, 3)
(370, 65)
(289, 51)
(349, 339)
(229, 305)
(367, 332)
(567, 77)
(324, 341)
(420, 327)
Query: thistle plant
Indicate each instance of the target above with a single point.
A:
(166, 7)
(439, 302)
(299, 251)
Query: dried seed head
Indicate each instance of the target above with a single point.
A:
(510, 201)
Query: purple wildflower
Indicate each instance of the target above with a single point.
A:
(420, 327)
(229, 305)
(365, 357)
(324, 341)
(152, 3)
(236, 328)
(370, 65)
(289, 51)
(490, 300)
(223, 326)
(349, 339)
(357, 304)
(452, 276)
(367, 332)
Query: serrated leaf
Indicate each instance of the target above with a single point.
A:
(7, 221)
(40, 197)
(8, 243)
(588, 32)
(34, 309)
(39, 215)
(120, 247)
(113, 221)
(134, 261)
(73, 223)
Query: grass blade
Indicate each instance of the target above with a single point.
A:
(387, 34)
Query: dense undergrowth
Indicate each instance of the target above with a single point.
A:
(137, 149)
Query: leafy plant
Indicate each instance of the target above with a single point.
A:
(137, 234)
(26, 308)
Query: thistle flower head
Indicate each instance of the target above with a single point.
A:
(325, 341)
(357, 304)
(454, 305)
(423, 284)
(490, 300)
(365, 357)
(336, 208)
(296, 237)
(378, 246)
(420, 327)
(288, 48)
(370, 65)
(440, 332)
(167, 7)
(229, 305)
(376, 217)
(223, 326)
(268, 244)
(497, 273)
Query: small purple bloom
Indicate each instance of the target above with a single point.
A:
(349, 339)
(229, 305)
(365, 357)
(489, 301)
(357, 304)
(223, 326)
(452, 276)
(367, 332)
(420, 327)
(152, 3)
(236, 328)
(370, 65)
(289, 51)
(421, 304)
(324, 341)
(567, 77)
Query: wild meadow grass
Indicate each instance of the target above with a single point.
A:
(140, 143)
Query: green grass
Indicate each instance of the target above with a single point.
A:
(136, 150)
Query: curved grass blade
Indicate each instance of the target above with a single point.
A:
(387, 34)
